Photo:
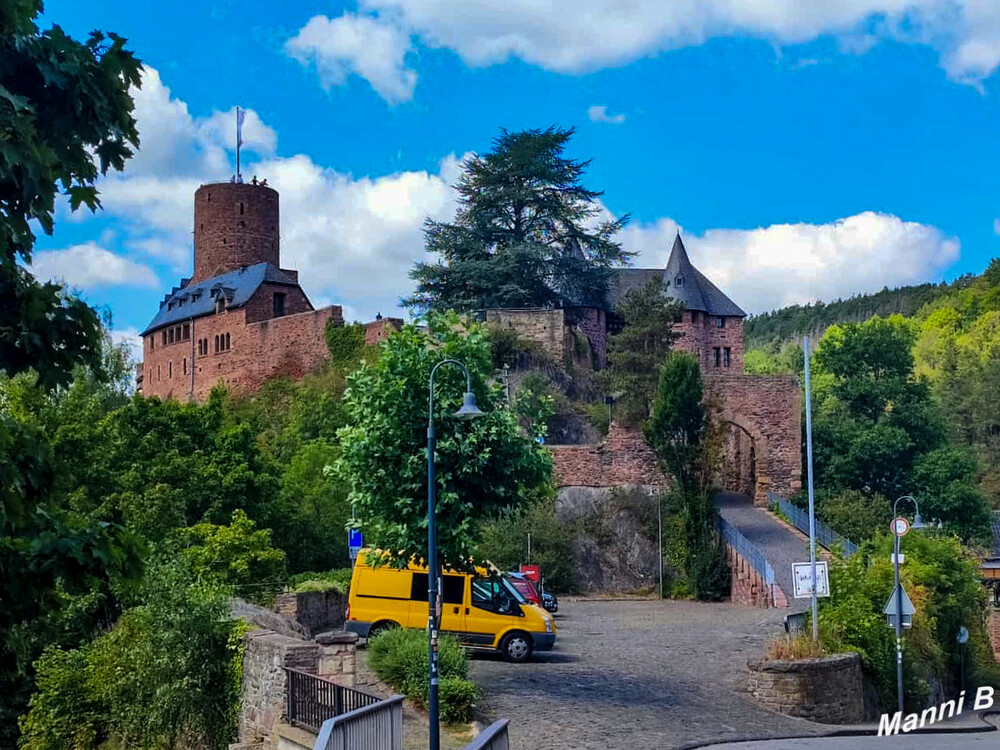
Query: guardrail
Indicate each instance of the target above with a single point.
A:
(494, 737)
(825, 536)
(378, 726)
(311, 700)
(745, 549)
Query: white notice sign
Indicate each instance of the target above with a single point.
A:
(802, 579)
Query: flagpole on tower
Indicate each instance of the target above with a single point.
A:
(240, 114)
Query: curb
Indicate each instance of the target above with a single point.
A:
(856, 732)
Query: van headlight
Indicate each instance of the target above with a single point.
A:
(548, 625)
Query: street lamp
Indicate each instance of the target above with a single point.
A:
(469, 410)
(918, 524)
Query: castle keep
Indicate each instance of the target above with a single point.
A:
(240, 319)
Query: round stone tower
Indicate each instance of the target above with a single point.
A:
(235, 224)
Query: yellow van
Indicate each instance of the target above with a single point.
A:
(483, 610)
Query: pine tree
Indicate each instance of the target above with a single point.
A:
(527, 233)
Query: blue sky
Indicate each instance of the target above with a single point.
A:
(806, 149)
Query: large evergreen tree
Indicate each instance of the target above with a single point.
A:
(527, 233)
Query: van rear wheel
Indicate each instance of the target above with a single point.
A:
(381, 627)
(516, 647)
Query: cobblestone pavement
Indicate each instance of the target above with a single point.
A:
(777, 543)
(637, 674)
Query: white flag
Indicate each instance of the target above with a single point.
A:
(240, 114)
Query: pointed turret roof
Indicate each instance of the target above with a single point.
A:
(681, 281)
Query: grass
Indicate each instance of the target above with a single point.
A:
(338, 580)
(794, 648)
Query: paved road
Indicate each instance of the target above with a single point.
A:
(777, 542)
(638, 674)
(976, 741)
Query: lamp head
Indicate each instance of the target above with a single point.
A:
(918, 522)
(469, 409)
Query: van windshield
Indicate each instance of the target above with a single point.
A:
(513, 591)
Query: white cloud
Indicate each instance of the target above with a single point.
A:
(784, 264)
(602, 33)
(131, 338)
(373, 48)
(355, 239)
(599, 113)
(89, 265)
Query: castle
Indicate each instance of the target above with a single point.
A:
(241, 318)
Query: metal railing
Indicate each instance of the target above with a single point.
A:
(311, 700)
(494, 737)
(378, 726)
(825, 536)
(745, 549)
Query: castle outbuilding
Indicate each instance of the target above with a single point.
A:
(240, 319)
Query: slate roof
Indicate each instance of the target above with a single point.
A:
(695, 290)
(195, 300)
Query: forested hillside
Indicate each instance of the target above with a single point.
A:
(947, 348)
(778, 327)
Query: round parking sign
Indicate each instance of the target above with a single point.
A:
(900, 526)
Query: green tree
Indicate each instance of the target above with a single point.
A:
(65, 119)
(239, 556)
(637, 352)
(679, 433)
(526, 235)
(482, 466)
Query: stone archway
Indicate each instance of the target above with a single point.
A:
(745, 466)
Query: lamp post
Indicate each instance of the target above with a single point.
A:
(917, 524)
(469, 410)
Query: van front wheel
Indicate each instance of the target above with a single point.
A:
(516, 647)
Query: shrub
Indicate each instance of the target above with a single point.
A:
(338, 579)
(789, 648)
(855, 515)
(399, 657)
(63, 714)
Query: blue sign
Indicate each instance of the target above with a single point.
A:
(354, 541)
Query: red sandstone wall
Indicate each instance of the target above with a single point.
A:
(261, 305)
(747, 586)
(226, 237)
(593, 323)
(623, 458)
(377, 330)
(292, 345)
(769, 408)
(700, 334)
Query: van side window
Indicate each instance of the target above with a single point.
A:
(453, 590)
(483, 590)
(418, 588)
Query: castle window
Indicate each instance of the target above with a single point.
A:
(187, 331)
(185, 366)
(679, 281)
(216, 344)
(227, 342)
(241, 208)
(694, 316)
(726, 356)
(720, 322)
(164, 336)
(152, 343)
(170, 369)
(159, 374)
(171, 336)
(717, 354)
(220, 304)
(279, 304)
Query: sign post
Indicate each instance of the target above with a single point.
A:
(354, 543)
(812, 503)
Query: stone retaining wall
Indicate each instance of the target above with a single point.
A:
(316, 611)
(623, 458)
(828, 690)
(747, 587)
